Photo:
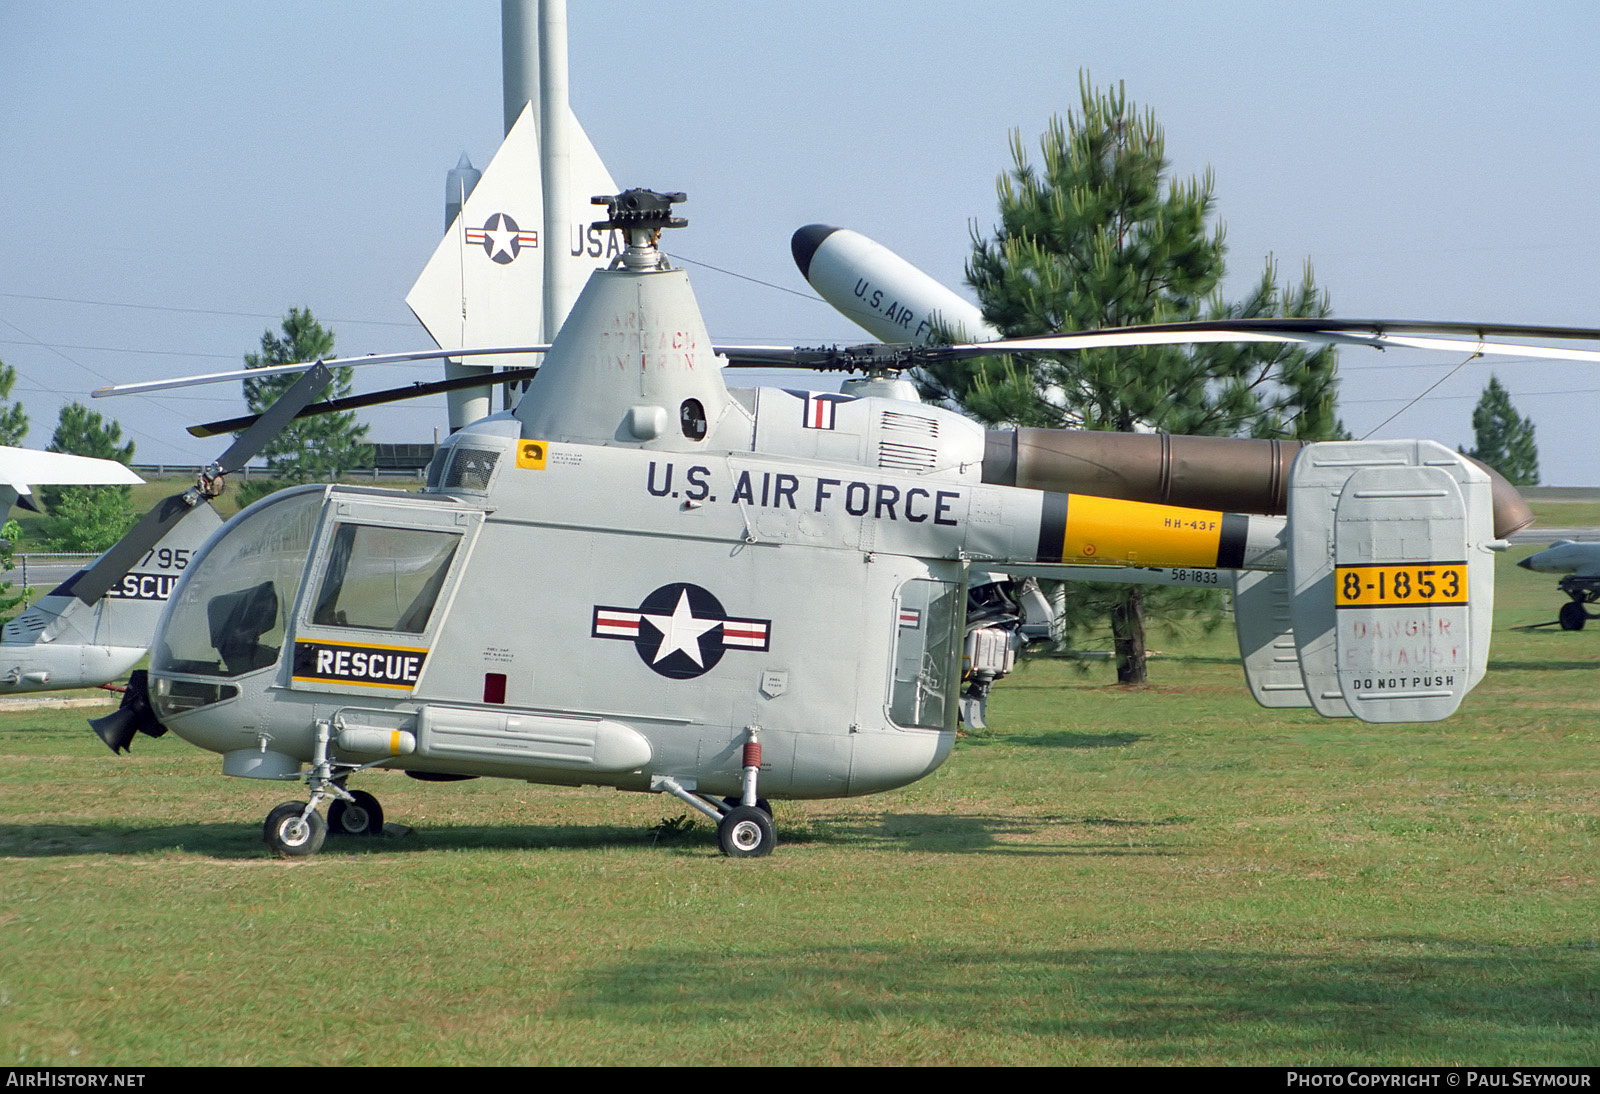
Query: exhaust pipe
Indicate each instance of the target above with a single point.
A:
(134, 715)
(1231, 474)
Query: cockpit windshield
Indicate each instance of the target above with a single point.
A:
(232, 610)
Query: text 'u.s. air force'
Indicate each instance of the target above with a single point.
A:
(781, 490)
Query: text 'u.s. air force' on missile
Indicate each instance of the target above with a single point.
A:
(781, 490)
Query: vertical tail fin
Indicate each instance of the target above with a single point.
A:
(484, 284)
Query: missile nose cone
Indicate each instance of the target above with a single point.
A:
(804, 243)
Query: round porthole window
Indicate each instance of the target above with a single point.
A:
(692, 416)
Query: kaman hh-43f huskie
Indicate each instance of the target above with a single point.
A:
(644, 579)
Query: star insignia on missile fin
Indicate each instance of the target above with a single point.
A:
(501, 239)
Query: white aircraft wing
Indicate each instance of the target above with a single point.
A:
(22, 468)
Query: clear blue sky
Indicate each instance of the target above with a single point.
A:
(173, 176)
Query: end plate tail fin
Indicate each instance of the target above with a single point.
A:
(1391, 578)
(1261, 619)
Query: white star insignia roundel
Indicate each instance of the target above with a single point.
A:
(501, 239)
(680, 630)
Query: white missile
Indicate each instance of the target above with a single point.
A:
(881, 292)
(1565, 556)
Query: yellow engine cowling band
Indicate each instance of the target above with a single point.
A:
(1077, 528)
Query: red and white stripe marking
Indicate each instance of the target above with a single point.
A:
(744, 633)
(614, 624)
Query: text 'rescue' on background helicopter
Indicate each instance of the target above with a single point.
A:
(644, 579)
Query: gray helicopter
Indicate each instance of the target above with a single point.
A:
(645, 579)
(84, 634)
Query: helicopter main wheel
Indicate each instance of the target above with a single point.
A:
(361, 817)
(290, 836)
(761, 804)
(1572, 616)
(745, 831)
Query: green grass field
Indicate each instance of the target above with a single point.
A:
(1163, 876)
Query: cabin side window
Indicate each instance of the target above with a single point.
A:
(924, 681)
(383, 578)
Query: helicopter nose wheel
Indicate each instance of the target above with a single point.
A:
(292, 831)
(746, 831)
(360, 816)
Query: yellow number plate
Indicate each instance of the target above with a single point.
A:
(1400, 586)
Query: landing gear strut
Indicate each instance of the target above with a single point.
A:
(1583, 589)
(744, 824)
(296, 829)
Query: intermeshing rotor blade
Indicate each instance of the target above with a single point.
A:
(146, 386)
(1475, 338)
(272, 420)
(153, 527)
(375, 398)
(1377, 333)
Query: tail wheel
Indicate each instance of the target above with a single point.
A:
(746, 832)
(1572, 616)
(290, 834)
(361, 817)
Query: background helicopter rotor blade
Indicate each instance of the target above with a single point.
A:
(272, 420)
(154, 525)
(127, 551)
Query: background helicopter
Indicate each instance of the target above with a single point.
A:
(83, 633)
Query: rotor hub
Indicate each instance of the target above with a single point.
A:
(640, 215)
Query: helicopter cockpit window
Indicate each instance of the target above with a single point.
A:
(470, 469)
(382, 578)
(235, 600)
(924, 682)
(441, 456)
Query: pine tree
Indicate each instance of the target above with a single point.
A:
(88, 519)
(1097, 235)
(318, 449)
(11, 598)
(1504, 438)
(13, 420)
(13, 427)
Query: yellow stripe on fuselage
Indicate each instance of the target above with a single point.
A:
(1139, 533)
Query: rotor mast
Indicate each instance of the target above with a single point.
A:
(634, 364)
